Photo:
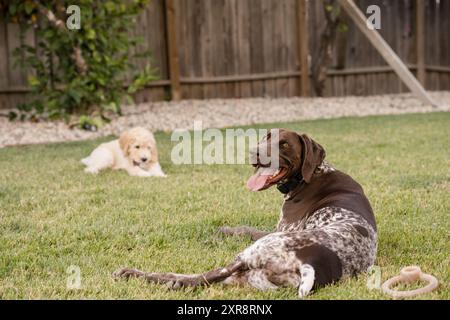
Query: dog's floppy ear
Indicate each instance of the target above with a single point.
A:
(125, 141)
(312, 156)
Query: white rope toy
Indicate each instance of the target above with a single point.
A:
(409, 275)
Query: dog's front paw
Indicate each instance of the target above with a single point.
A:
(232, 231)
(159, 174)
(91, 170)
(226, 230)
(126, 273)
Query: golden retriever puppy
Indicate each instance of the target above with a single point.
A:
(135, 151)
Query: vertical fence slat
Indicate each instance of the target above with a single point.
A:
(420, 40)
(304, 48)
(243, 46)
(256, 46)
(174, 69)
(3, 54)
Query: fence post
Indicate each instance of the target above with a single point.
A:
(420, 40)
(303, 46)
(172, 52)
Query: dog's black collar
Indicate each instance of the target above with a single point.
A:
(290, 185)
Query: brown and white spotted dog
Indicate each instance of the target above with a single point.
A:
(326, 230)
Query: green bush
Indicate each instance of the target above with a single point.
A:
(79, 71)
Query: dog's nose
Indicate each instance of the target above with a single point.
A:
(144, 159)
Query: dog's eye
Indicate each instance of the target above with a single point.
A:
(137, 147)
(285, 145)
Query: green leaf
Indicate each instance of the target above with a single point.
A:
(90, 34)
(48, 33)
(110, 6)
(12, 115)
(33, 81)
(75, 95)
(129, 99)
(12, 9)
(342, 27)
(29, 7)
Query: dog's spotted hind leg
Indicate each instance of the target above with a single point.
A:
(176, 281)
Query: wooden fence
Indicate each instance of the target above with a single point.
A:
(251, 48)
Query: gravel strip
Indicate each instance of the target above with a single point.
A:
(219, 113)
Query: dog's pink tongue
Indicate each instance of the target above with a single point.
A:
(258, 180)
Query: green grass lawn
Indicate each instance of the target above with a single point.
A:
(53, 215)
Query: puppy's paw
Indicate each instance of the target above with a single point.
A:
(158, 173)
(142, 175)
(151, 174)
(91, 170)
